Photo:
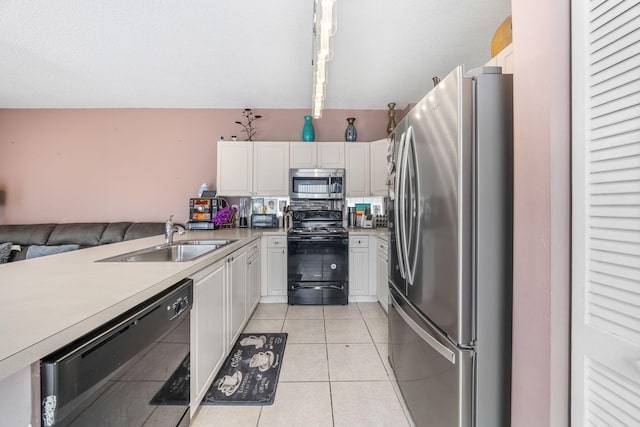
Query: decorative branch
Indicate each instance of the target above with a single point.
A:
(248, 127)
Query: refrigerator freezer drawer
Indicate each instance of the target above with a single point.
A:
(435, 377)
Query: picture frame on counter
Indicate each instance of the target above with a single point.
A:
(271, 206)
(257, 205)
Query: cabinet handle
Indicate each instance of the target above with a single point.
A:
(284, 252)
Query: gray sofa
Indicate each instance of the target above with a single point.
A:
(36, 240)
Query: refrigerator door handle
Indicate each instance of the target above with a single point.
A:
(403, 199)
(412, 246)
(397, 203)
(444, 351)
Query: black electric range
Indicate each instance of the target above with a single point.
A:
(318, 258)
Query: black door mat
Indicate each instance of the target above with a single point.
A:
(249, 375)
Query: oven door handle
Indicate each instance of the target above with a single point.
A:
(316, 286)
(316, 238)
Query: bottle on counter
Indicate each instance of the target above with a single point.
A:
(288, 219)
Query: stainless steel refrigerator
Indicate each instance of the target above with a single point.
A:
(450, 210)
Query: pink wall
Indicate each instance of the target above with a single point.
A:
(132, 164)
(541, 313)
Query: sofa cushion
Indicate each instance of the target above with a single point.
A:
(83, 234)
(114, 232)
(26, 234)
(36, 251)
(144, 229)
(5, 252)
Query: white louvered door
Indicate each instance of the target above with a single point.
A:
(606, 213)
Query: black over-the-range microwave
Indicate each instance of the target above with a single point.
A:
(316, 183)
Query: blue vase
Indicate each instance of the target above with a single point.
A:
(351, 134)
(307, 130)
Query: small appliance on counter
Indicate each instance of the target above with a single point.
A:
(264, 221)
(352, 217)
(244, 204)
(202, 210)
(367, 221)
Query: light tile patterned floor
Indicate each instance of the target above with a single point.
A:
(335, 371)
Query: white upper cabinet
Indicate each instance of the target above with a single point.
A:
(503, 59)
(270, 168)
(378, 151)
(303, 155)
(357, 169)
(328, 155)
(331, 155)
(235, 168)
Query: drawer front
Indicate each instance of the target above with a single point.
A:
(358, 242)
(277, 241)
(253, 249)
(383, 250)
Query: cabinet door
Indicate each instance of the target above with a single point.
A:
(253, 282)
(382, 287)
(358, 271)
(208, 346)
(235, 168)
(237, 292)
(277, 271)
(357, 169)
(378, 151)
(302, 155)
(271, 169)
(331, 155)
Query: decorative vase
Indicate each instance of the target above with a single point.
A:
(392, 117)
(308, 133)
(351, 134)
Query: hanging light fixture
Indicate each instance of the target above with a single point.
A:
(324, 27)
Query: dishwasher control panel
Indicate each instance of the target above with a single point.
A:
(177, 307)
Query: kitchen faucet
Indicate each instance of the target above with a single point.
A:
(169, 229)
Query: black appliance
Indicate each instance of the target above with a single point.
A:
(318, 258)
(202, 211)
(264, 221)
(120, 373)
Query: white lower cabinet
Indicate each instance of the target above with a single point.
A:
(382, 272)
(224, 296)
(254, 275)
(237, 284)
(275, 268)
(208, 337)
(358, 265)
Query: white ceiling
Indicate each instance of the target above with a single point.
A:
(232, 54)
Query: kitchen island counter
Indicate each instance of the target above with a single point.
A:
(53, 300)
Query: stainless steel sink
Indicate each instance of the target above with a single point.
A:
(186, 250)
(204, 242)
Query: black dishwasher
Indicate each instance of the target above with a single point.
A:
(133, 371)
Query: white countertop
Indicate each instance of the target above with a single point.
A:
(377, 232)
(53, 300)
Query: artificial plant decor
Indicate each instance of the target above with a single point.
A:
(248, 127)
